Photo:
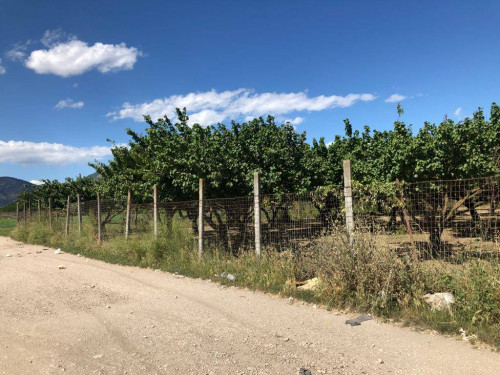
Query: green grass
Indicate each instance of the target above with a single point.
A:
(6, 226)
(368, 277)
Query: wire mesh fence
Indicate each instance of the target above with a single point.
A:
(451, 220)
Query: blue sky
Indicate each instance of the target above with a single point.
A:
(73, 74)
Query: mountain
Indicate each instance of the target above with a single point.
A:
(10, 187)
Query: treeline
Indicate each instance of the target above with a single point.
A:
(176, 155)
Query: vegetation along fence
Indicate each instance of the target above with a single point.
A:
(450, 220)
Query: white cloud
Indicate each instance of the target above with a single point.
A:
(52, 38)
(295, 121)
(212, 106)
(36, 182)
(68, 103)
(73, 57)
(54, 154)
(395, 98)
(2, 69)
(18, 52)
(458, 111)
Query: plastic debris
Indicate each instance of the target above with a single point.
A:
(440, 301)
(357, 321)
(231, 277)
(311, 284)
(58, 251)
(79, 255)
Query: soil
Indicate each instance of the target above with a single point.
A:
(97, 318)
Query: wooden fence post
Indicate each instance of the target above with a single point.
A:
(30, 216)
(201, 221)
(18, 224)
(127, 218)
(24, 213)
(79, 212)
(256, 209)
(50, 212)
(39, 206)
(68, 206)
(99, 218)
(349, 215)
(155, 209)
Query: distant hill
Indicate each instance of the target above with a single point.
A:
(94, 176)
(10, 187)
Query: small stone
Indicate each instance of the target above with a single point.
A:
(231, 277)
(97, 356)
(61, 267)
(8, 255)
(39, 251)
(58, 251)
(380, 361)
(108, 306)
(290, 301)
(79, 255)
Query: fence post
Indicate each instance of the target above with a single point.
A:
(256, 209)
(24, 212)
(155, 209)
(18, 224)
(127, 218)
(99, 218)
(39, 206)
(349, 215)
(68, 205)
(50, 212)
(30, 216)
(201, 221)
(79, 212)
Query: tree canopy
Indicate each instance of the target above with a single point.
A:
(175, 155)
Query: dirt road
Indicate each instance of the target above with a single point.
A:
(98, 318)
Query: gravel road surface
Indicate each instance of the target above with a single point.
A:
(98, 318)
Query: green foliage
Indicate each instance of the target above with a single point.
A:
(176, 155)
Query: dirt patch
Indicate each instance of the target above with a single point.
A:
(94, 317)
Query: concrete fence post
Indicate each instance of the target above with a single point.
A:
(99, 218)
(39, 206)
(127, 218)
(18, 224)
(201, 221)
(256, 209)
(50, 212)
(155, 209)
(79, 212)
(68, 207)
(349, 215)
